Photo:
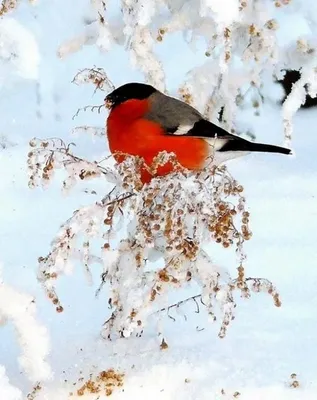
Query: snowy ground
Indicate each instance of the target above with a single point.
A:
(264, 345)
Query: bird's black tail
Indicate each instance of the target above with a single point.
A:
(269, 148)
(240, 144)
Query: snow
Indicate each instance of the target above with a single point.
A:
(32, 337)
(19, 47)
(223, 15)
(7, 390)
(264, 345)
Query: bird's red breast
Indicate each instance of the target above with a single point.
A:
(128, 132)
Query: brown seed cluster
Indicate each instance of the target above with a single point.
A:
(186, 96)
(104, 383)
(262, 285)
(221, 227)
(61, 249)
(35, 391)
(280, 3)
(253, 31)
(241, 283)
(7, 5)
(51, 294)
(272, 24)
(258, 42)
(227, 33)
(235, 395)
(294, 382)
(243, 5)
(160, 217)
(164, 345)
(160, 34)
(111, 209)
(40, 163)
(130, 171)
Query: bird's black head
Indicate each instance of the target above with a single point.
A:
(129, 91)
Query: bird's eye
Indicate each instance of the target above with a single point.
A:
(109, 102)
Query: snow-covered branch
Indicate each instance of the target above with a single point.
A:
(152, 236)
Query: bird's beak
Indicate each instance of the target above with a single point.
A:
(108, 103)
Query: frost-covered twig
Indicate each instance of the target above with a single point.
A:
(91, 108)
(47, 155)
(96, 76)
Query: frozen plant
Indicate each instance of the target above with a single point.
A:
(152, 238)
(245, 43)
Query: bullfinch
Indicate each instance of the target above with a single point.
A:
(144, 122)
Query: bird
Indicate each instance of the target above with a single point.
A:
(144, 121)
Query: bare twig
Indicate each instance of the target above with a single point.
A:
(197, 296)
(198, 310)
(120, 198)
(92, 108)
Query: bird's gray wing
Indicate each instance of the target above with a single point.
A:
(172, 114)
(180, 119)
